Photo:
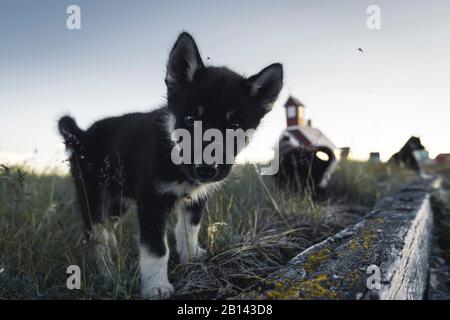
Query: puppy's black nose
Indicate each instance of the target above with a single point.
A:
(204, 171)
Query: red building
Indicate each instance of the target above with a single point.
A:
(442, 158)
(300, 132)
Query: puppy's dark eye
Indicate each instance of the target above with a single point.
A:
(190, 120)
(234, 126)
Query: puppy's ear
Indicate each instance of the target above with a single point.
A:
(184, 61)
(266, 85)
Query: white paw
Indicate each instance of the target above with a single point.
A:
(200, 252)
(189, 255)
(105, 248)
(158, 292)
(424, 175)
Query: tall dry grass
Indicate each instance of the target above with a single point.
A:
(250, 229)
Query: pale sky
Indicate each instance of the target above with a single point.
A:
(370, 101)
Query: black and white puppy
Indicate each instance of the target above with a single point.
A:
(406, 156)
(304, 168)
(129, 157)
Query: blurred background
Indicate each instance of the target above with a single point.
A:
(369, 90)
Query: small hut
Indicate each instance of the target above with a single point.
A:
(300, 132)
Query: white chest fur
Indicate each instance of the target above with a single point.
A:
(186, 189)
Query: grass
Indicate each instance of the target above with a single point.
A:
(250, 229)
(441, 209)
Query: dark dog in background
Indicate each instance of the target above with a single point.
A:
(129, 158)
(405, 157)
(304, 168)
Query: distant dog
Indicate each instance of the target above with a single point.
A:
(130, 158)
(303, 168)
(406, 155)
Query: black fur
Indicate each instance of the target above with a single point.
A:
(128, 156)
(301, 168)
(406, 155)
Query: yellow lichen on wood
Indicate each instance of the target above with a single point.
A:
(378, 220)
(368, 237)
(315, 259)
(353, 245)
(316, 288)
(364, 241)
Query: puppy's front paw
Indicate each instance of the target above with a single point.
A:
(189, 255)
(158, 292)
(104, 244)
(200, 252)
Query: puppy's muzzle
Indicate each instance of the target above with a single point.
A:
(206, 171)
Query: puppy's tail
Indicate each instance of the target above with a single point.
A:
(73, 136)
